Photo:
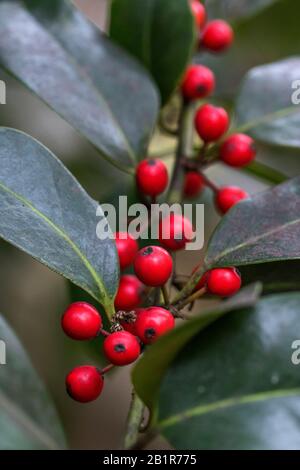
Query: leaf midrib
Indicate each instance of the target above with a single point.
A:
(251, 241)
(227, 403)
(73, 245)
(27, 423)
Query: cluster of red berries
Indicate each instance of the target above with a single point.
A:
(81, 321)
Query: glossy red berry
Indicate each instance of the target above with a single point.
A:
(238, 150)
(175, 231)
(121, 348)
(211, 122)
(199, 13)
(152, 323)
(127, 248)
(153, 266)
(84, 383)
(194, 184)
(229, 196)
(130, 293)
(217, 36)
(224, 281)
(81, 321)
(152, 177)
(198, 82)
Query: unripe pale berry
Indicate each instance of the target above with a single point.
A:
(211, 122)
(127, 248)
(217, 36)
(152, 323)
(194, 184)
(175, 231)
(121, 348)
(84, 383)
(229, 196)
(199, 13)
(198, 82)
(238, 150)
(224, 281)
(130, 293)
(81, 321)
(153, 266)
(152, 177)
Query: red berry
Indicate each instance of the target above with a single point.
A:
(152, 177)
(84, 383)
(81, 321)
(217, 36)
(229, 196)
(199, 82)
(223, 281)
(238, 150)
(175, 231)
(153, 266)
(121, 348)
(199, 13)
(193, 184)
(152, 323)
(211, 122)
(130, 293)
(127, 248)
(129, 325)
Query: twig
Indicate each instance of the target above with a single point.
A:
(134, 420)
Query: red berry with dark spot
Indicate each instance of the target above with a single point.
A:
(152, 177)
(199, 82)
(199, 13)
(211, 122)
(121, 348)
(193, 184)
(127, 248)
(84, 383)
(175, 231)
(238, 150)
(130, 293)
(153, 266)
(229, 196)
(224, 281)
(217, 36)
(81, 321)
(152, 323)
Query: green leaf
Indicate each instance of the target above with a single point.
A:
(160, 33)
(77, 71)
(264, 105)
(28, 419)
(264, 172)
(148, 373)
(46, 213)
(261, 229)
(236, 9)
(234, 386)
(282, 276)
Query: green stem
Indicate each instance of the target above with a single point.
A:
(134, 421)
(265, 172)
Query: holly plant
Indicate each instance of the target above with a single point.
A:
(212, 347)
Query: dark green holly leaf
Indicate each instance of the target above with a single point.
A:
(46, 213)
(27, 414)
(281, 276)
(76, 70)
(234, 386)
(148, 373)
(264, 228)
(160, 33)
(265, 105)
